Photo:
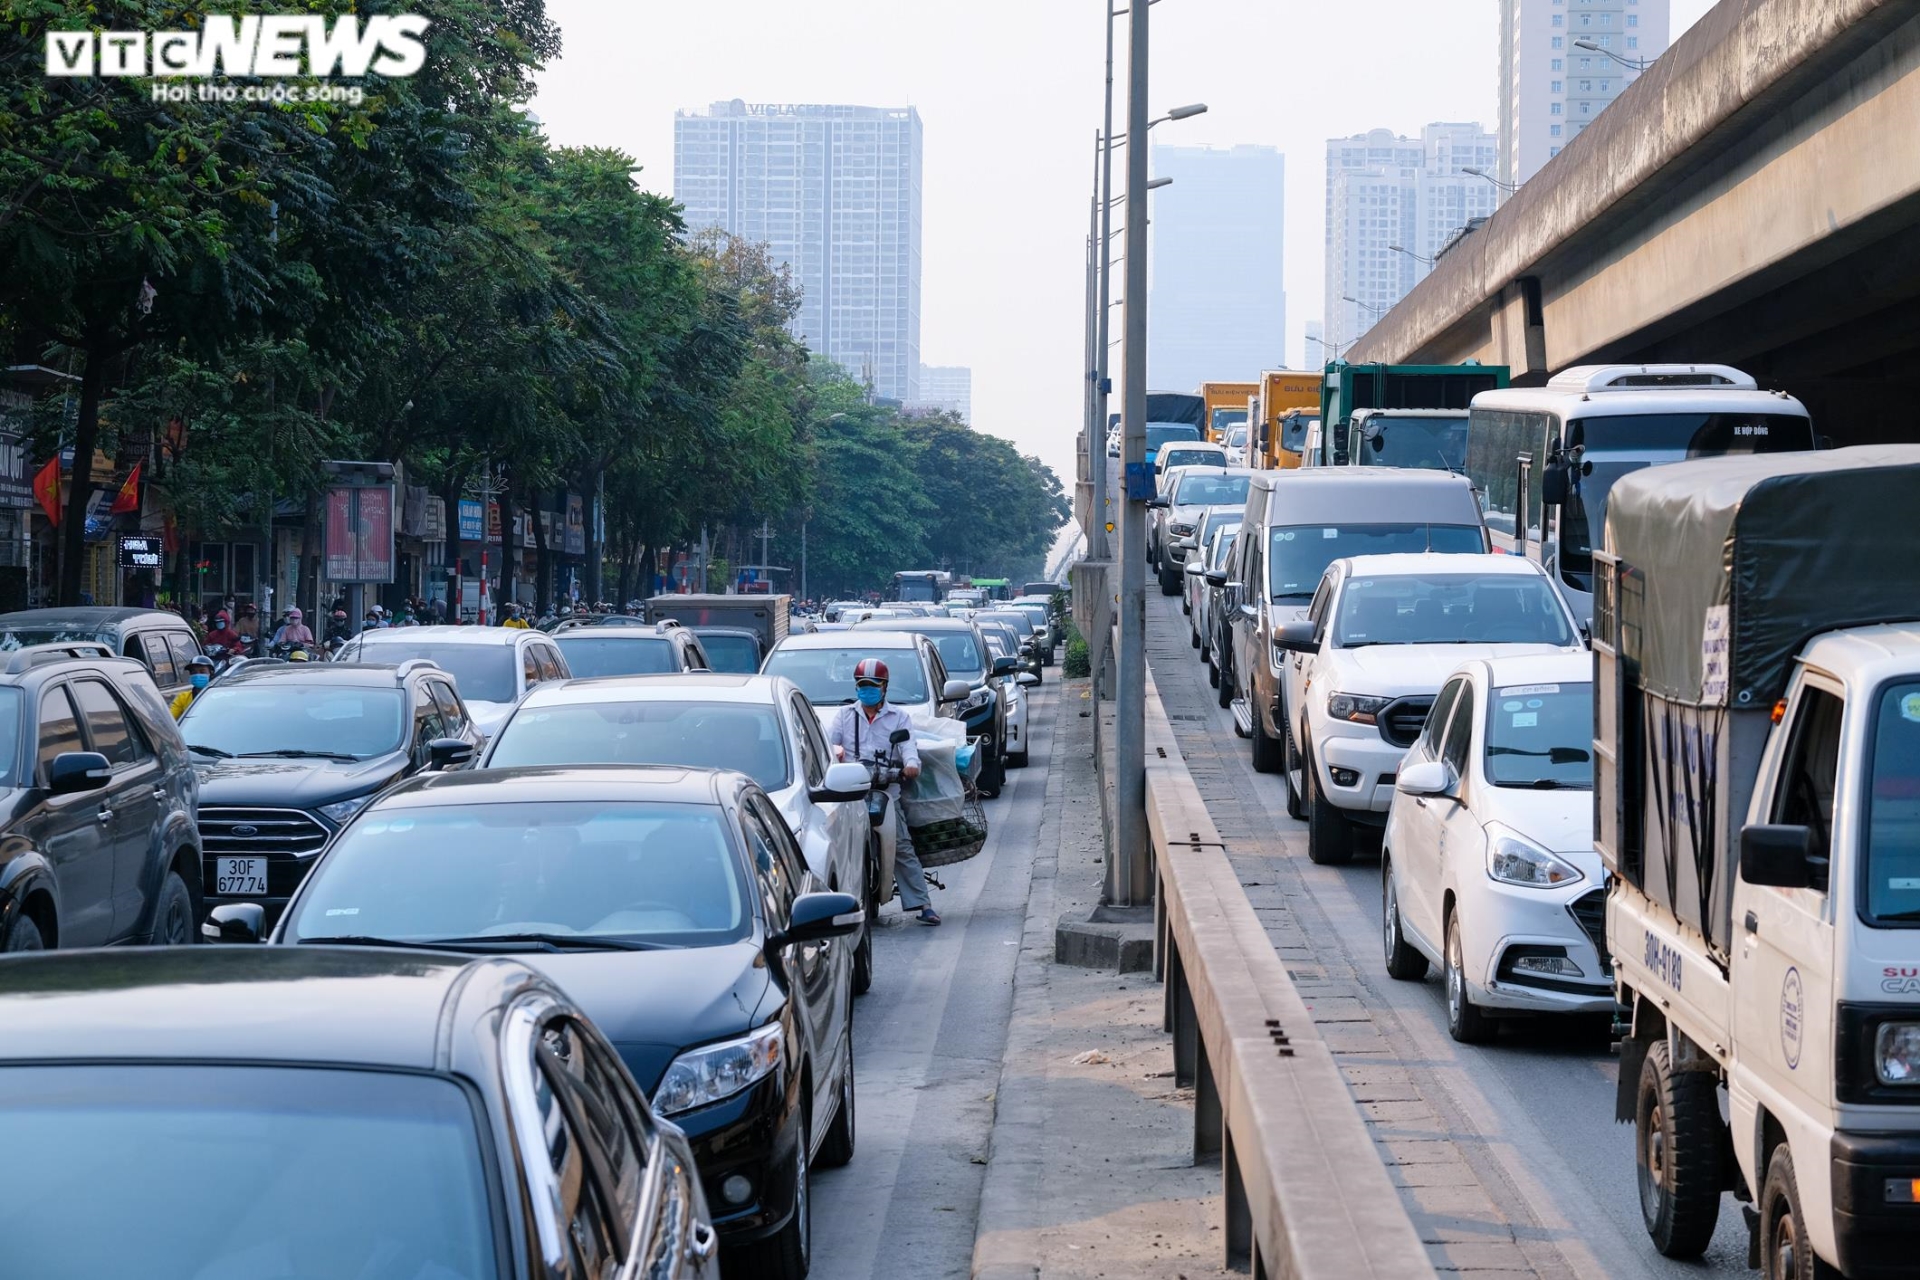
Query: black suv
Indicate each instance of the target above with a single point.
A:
(287, 753)
(96, 804)
(162, 642)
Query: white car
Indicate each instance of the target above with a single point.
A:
(1237, 446)
(822, 665)
(1188, 493)
(493, 667)
(1380, 637)
(1217, 531)
(761, 726)
(1186, 453)
(1001, 644)
(1487, 867)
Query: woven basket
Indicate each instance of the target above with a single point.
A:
(944, 843)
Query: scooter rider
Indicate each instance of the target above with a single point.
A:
(863, 732)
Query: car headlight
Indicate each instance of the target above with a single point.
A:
(1896, 1053)
(1357, 707)
(979, 698)
(715, 1071)
(1512, 860)
(1181, 530)
(340, 810)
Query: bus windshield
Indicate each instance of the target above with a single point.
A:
(1429, 444)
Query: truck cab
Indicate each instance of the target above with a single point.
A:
(1764, 912)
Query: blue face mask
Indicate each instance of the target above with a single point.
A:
(200, 679)
(871, 695)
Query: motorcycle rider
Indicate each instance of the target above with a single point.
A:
(294, 631)
(863, 731)
(247, 627)
(223, 634)
(337, 628)
(199, 676)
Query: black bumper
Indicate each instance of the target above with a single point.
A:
(751, 1134)
(1877, 1239)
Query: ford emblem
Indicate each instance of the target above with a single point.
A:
(245, 829)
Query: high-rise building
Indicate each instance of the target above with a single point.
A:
(1316, 348)
(1216, 305)
(1561, 63)
(834, 191)
(946, 387)
(1392, 204)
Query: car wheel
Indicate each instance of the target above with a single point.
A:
(1404, 962)
(788, 1254)
(1785, 1253)
(993, 774)
(1329, 834)
(1186, 607)
(173, 924)
(1294, 771)
(837, 1150)
(1465, 1021)
(1169, 582)
(1677, 1154)
(1225, 687)
(1213, 669)
(24, 936)
(1266, 749)
(1016, 759)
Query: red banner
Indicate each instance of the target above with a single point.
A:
(359, 534)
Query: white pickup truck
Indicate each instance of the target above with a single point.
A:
(1757, 804)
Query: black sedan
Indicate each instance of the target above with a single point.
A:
(325, 1112)
(675, 905)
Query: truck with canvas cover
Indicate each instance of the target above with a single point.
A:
(1757, 806)
(1348, 387)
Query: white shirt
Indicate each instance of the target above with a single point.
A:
(864, 739)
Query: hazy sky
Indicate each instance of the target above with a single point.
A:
(1009, 92)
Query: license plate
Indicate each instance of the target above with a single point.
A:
(240, 877)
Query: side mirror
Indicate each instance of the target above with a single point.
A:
(1779, 856)
(74, 771)
(1028, 679)
(1193, 568)
(844, 781)
(1216, 577)
(1158, 504)
(1296, 636)
(1428, 778)
(1005, 666)
(1553, 486)
(236, 922)
(1185, 544)
(955, 691)
(818, 916)
(446, 753)
(1249, 613)
(899, 736)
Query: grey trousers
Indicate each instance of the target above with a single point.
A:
(907, 872)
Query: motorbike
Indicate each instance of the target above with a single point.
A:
(886, 772)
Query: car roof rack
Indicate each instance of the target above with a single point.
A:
(667, 624)
(410, 665)
(30, 656)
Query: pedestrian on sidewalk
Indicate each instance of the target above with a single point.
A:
(863, 731)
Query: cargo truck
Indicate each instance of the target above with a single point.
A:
(1283, 392)
(1757, 807)
(1348, 387)
(767, 616)
(1226, 406)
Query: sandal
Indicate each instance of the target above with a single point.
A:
(928, 916)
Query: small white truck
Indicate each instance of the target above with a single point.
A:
(1757, 805)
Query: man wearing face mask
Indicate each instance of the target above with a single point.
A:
(863, 731)
(199, 675)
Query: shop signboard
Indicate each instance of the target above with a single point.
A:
(576, 532)
(473, 523)
(359, 533)
(141, 551)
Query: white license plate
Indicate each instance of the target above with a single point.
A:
(240, 877)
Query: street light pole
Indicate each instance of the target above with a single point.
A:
(1128, 879)
(1091, 432)
(1097, 544)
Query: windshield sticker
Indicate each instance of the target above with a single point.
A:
(1536, 703)
(1329, 533)
(1515, 705)
(1713, 656)
(1522, 690)
(1526, 719)
(1910, 707)
(343, 911)
(1284, 535)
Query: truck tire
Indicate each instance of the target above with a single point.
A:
(1677, 1154)
(1465, 1021)
(1329, 834)
(1266, 750)
(1404, 962)
(1785, 1253)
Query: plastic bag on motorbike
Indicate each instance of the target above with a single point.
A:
(939, 794)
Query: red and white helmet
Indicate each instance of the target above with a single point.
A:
(870, 669)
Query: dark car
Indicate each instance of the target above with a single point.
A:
(287, 753)
(1023, 622)
(325, 1112)
(97, 840)
(964, 652)
(162, 642)
(676, 907)
(734, 650)
(665, 648)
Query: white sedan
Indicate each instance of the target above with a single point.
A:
(1487, 866)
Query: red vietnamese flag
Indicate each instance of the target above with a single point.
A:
(128, 499)
(46, 487)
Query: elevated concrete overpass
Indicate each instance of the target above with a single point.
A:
(1752, 199)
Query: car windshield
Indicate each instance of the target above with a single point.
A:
(1158, 433)
(1237, 438)
(1020, 622)
(20, 637)
(635, 871)
(1211, 491)
(1892, 863)
(1298, 555)
(1540, 735)
(826, 675)
(1428, 444)
(961, 655)
(736, 655)
(1451, 608)
(591, 655)
(1222, 547)
(372, 1174)
(999, 644)
(282, 717)
(483, 672)
(1172, 457)
(700, 735)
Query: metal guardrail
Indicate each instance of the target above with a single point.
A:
(1306, 1193)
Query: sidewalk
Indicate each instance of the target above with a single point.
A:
(1089, 1170)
